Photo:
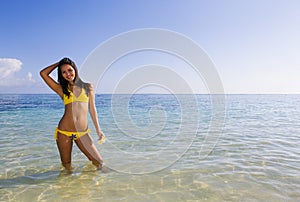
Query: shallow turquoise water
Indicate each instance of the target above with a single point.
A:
(256, 158)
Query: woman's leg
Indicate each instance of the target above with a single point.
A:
(86, 145)
(65, 144)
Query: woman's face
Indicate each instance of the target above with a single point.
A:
(68, 72)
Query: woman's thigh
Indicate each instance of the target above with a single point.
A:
(64, 144)
(86, 145)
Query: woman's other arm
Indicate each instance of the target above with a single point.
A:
(93, 112)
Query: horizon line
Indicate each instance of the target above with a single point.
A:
(161, 93)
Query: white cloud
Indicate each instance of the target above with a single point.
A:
(8, 69)
(29, 77)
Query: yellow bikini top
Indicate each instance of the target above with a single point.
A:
(72, 98)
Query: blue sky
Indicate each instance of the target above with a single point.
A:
(254, 44)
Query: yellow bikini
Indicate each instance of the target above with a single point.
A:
(67, 100)
(72, 135)
(72, 98)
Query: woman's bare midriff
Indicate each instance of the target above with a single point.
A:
(75, 117)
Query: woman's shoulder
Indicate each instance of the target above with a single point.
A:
(91, 88)
(88, 87)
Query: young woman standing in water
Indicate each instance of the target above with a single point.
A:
(79, 99)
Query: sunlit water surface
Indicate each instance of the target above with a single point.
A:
(256, 158)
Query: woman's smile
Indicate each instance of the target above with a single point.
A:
(68, 72)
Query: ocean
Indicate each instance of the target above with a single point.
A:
(158, 148)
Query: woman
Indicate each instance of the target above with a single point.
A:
(79, 98)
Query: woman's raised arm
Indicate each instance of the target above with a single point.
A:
(49, 81)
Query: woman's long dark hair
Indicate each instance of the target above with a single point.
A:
(77, 81)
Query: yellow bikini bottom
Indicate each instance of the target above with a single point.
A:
(73, 135)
